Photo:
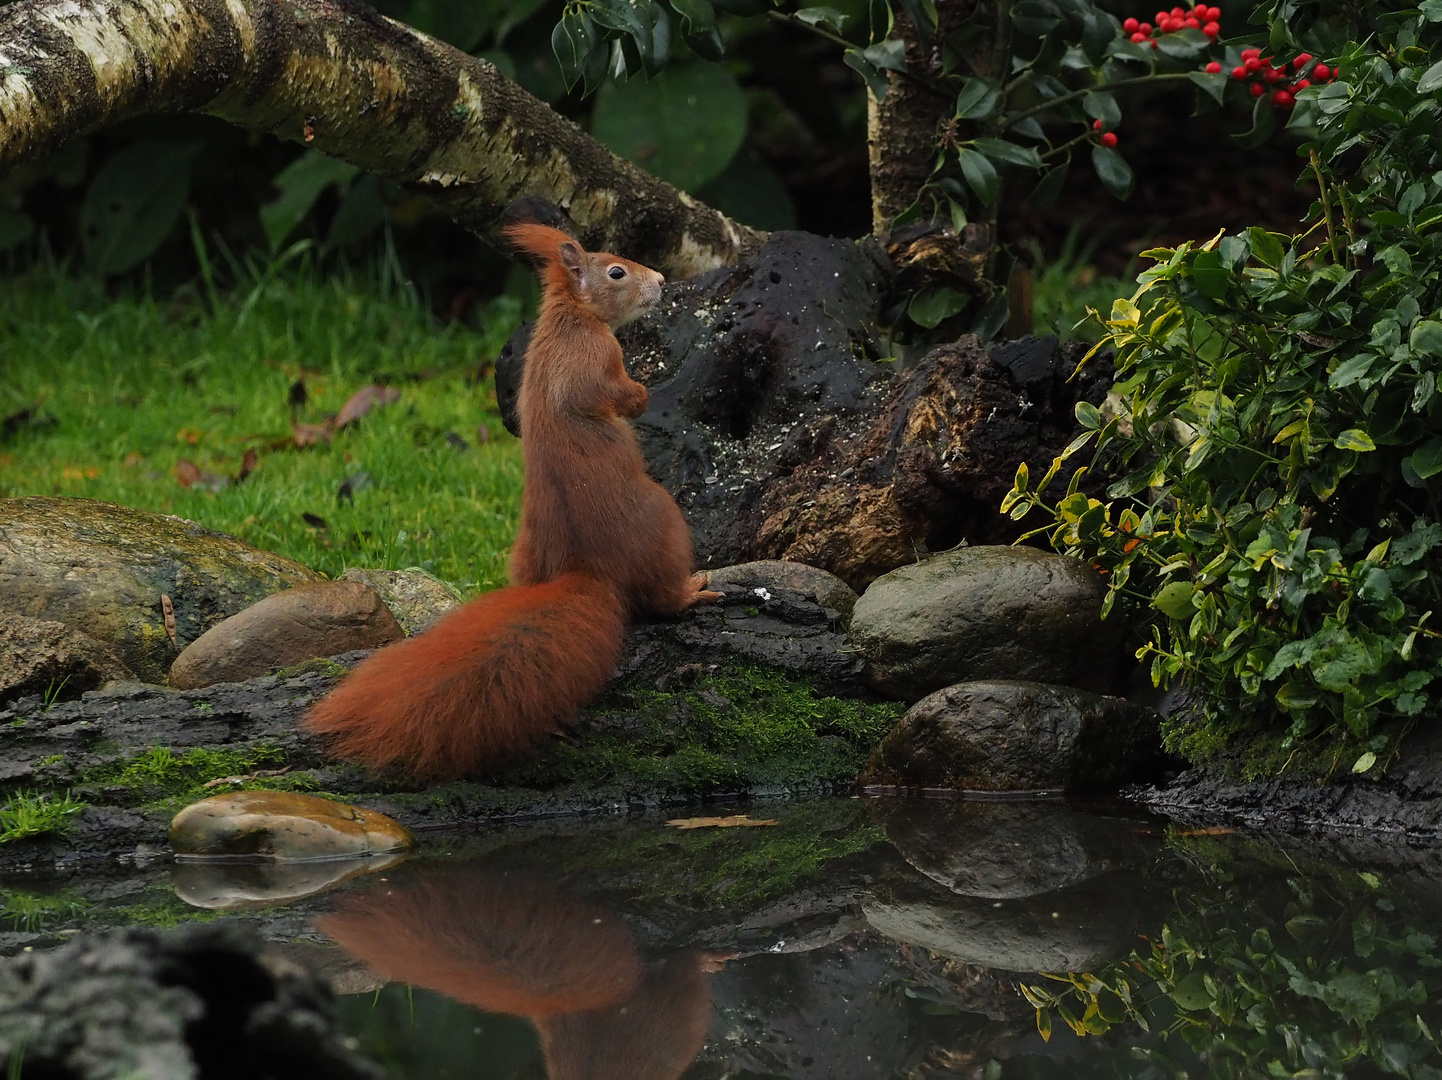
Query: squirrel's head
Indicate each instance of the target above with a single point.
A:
(614, 289)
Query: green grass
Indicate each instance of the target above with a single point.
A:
(1066, 286)
(164, 779)
(134, 385)
(27, 814)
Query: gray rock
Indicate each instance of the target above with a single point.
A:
(283, 826)
(324, 619)
(818, 586)
(1017, 736)
(1007, 849)
(1075, 929)
(102, 569)
(162, 1005)
(986, 613)
(38, 656)
(415, 598)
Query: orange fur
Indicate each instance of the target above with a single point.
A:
(599, 542)
(506, 943)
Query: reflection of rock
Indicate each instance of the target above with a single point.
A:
(250, 886)
(51, 659)
(415, 598)
(1074, 929)
(103, 569)
(1006, 849)
(196, 1002)
(283, 825)
(324, 619)
(986, 613)
(832, 1014)
(507, 943)
(1017, 736)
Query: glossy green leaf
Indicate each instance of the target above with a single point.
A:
(981, 174)
(1113, 171)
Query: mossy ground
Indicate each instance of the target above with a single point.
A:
(740, 727)
(164, 779)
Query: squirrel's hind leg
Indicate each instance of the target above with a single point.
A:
(699, 593)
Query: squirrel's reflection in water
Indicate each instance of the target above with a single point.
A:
(509, 943)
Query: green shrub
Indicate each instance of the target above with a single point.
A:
(1278, 438)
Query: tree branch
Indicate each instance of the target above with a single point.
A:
(338, 76)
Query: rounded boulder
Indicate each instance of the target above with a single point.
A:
(324, 619)
(283, 825)
(110, 571)
(986, 613)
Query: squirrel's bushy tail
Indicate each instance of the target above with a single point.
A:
(487, 681)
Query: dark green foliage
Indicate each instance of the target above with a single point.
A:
(1280, 436)
(25, 814)
(1331, 979)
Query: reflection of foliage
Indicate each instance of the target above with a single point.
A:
(1341, 979)
(33, 912)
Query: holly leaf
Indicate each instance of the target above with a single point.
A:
(1113, 171)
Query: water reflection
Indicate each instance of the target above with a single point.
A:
(977, 941)
(509, 943)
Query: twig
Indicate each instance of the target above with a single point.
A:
(1054, 102)
(1326, 207)
(836, 39)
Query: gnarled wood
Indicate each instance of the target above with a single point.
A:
(343, 79)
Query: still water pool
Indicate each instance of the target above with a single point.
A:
(875, 938)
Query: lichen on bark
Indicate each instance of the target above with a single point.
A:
(341, 78)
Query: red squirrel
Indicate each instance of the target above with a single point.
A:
(600, 543)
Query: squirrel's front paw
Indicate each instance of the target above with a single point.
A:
(703, 595)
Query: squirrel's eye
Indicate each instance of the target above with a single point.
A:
(616, 273)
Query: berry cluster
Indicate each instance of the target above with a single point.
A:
(1203, 18)
(1266, 73)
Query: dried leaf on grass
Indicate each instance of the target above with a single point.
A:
(363, 401)
(221, 781)
(732, 822)
(310, 434)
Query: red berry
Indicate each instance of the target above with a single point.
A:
(1251, 64)
(1301, 60)
(1250, 54)
(1302, 84)
(1154, 43)
(1271, 75)
(1214, 14)
(1283, 99)
(1109, 139)
(1239, 72)
(1145, 29)
(1096, 125)
(1139, 37)
(1214, 68)
(1212, 29)
(1257, 90)
(1178, 13)
(1162, 16)
(1191, 24)
(1322, 71)
(1130, 26)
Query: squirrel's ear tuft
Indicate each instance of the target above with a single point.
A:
(538, 245)
(570, 255)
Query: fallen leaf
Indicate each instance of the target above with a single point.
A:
(247, 465)
(457, 441)
(188, 435)
(310, 434)
(718, 822)
(90, 472)
(133, 459)
(297, 395)
(167, 614)
(363, 401)
(356, 481)
(189, 474)
(483, 434)
(315, 521)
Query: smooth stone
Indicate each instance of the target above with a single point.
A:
(283, 825)
(1076, 929)
(39, 656)
(324, 619)
(818, 586)
(101, 569)
(251, 886)
(1017, 736)
(415, 598)
(1006, 849)
(986, 613)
